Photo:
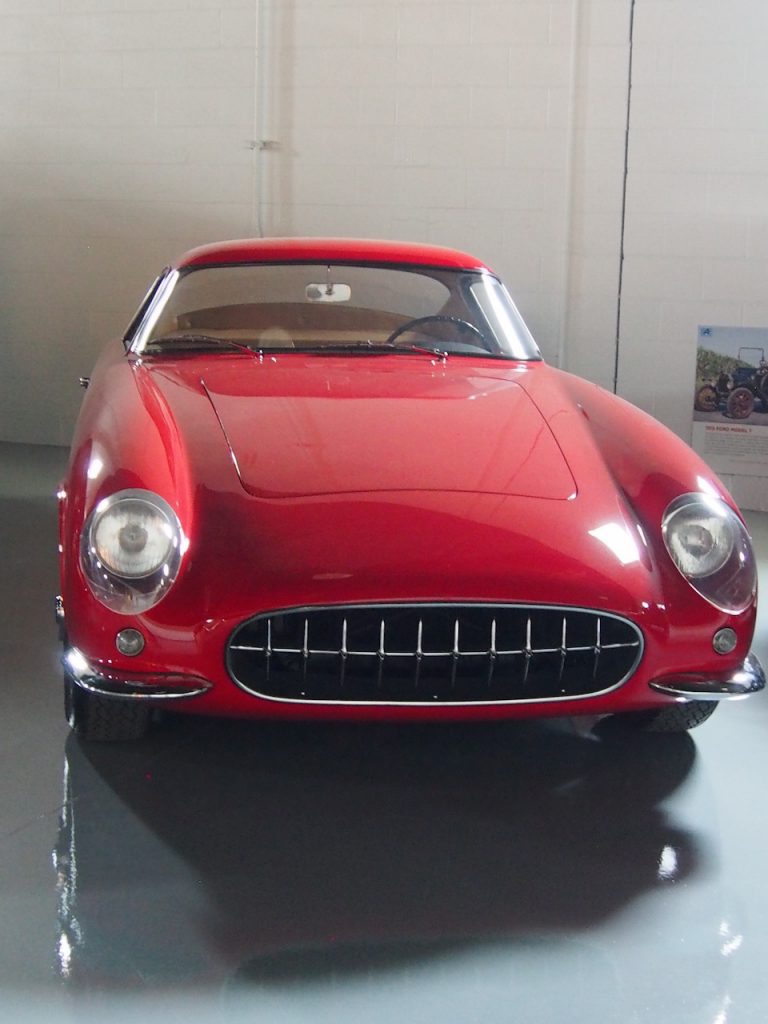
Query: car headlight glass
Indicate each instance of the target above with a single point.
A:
(710, 546)
(132, 547)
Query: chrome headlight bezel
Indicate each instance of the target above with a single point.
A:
(119, 585)
(711, 549)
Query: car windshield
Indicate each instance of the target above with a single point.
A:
(332, 308)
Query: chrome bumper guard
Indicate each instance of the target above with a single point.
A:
(748, 678)
(136, 686)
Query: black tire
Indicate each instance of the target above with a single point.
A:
(104, 719)
(740, 404)
(672, 718)
(706, 399)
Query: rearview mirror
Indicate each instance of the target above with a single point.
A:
(328, 292)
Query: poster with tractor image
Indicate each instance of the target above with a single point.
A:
(730, 402)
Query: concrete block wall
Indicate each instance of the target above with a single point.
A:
(444, 122)
(125, 137)
(131, 131)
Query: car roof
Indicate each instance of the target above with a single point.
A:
(341, 250)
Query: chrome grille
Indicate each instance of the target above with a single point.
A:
(432, 653)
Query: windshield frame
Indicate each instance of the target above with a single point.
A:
(520, 345)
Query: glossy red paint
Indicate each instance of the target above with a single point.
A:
(305, 480)
(334, 250)
(376, 427)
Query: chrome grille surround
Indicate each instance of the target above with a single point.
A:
(428, 654)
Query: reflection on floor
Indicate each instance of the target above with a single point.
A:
(234, 871)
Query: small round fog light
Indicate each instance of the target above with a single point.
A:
(129, 642)
(724, 641)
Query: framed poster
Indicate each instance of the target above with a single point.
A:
(730, 405)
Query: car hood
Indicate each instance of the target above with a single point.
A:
(333, 426)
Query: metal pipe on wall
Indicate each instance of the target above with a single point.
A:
(570, 143)
(261, 143)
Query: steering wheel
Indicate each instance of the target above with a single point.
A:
(435, 318)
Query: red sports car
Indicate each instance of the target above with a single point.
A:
(335, 479)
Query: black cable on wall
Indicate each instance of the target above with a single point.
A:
(624, 197)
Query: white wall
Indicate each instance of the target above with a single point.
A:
(129, 132)
(697, 210)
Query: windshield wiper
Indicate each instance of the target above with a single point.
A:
(376, 348)
(194, 343)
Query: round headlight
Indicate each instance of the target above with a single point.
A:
(710, 546)
(133, 537)
(699, 541)
(131, 551)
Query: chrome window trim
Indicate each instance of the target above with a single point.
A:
(138, 316)
(153, 312)
(521, 347)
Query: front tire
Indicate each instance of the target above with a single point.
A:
(706, 399)
(104, 719)
(741, 403)
(672, 718)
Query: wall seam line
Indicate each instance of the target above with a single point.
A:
(617, 348)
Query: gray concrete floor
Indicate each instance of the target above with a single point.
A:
(234, 871)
